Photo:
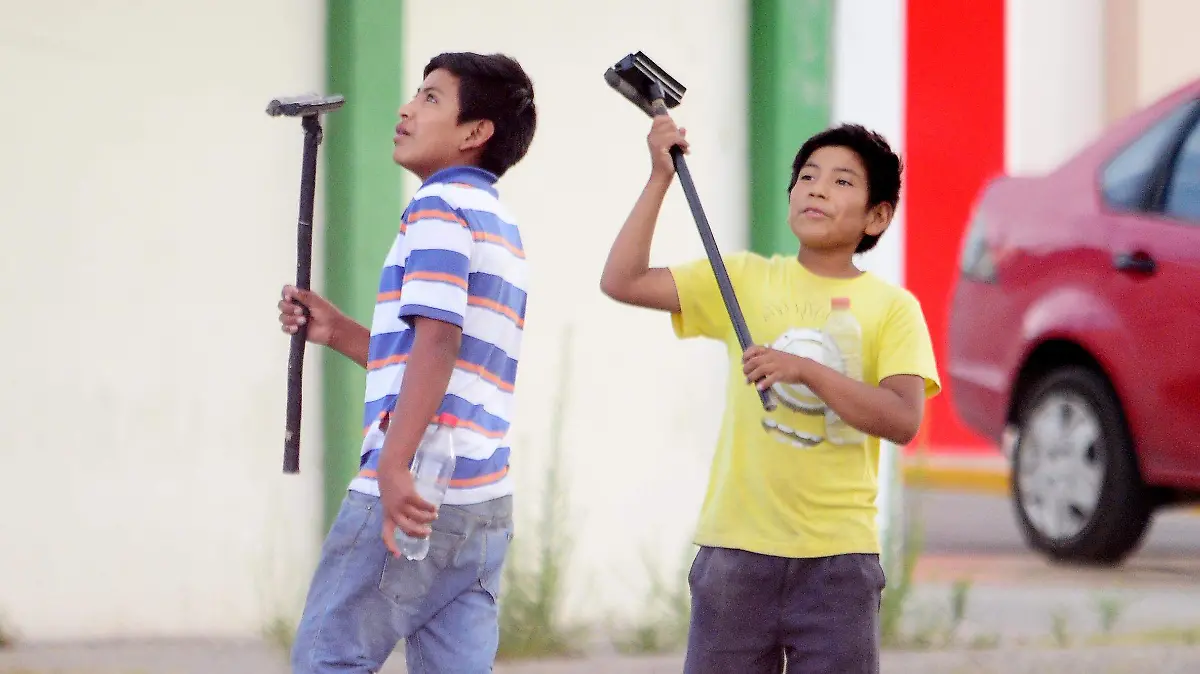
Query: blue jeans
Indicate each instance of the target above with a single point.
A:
(363, 601)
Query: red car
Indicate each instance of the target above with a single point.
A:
(1074, 337)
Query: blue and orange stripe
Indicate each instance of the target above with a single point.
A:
(485, 226)
(433, 208)
(504, 308)
(492, 292)
(436, 277)
(491, 305)
(391, 279)
(468, 473)
(455, 483)
(481, 371)
(475, 355)
(375, 410)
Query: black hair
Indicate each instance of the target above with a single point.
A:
(493, 87)
(882, 164)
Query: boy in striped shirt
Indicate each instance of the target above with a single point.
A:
(444, 342)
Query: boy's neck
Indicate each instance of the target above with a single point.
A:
(464, 159)
(425, 175)
(828, 263)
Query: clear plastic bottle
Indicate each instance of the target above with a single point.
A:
(432, 468)
(846, 333)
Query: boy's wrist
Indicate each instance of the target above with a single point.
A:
(341, 334)
(803, 369)
(337, 332)
(660, 179)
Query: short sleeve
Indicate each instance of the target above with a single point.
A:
(437, 265)
(905, 346)
(702, 310)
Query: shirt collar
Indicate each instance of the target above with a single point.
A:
(468, 175)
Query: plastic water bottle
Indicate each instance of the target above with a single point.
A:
(432, 468)
(846, 333)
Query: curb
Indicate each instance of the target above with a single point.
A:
(990, 480)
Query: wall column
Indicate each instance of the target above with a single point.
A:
(363, 203)
(954, 143)
(790, 100)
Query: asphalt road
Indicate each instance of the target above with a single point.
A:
(970, 524)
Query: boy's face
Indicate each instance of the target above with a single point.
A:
(429, 137)
(828, 205)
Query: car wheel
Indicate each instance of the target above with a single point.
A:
(1076, 487)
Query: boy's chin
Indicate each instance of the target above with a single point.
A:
(821, 243)
(811, 240)
(407, 163)
(819, 238)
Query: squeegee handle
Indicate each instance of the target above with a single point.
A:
(732, 307)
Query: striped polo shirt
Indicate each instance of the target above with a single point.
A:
(457, 258)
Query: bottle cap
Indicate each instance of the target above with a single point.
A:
(841, 303)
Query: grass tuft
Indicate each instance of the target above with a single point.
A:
(533, 586)
(280, 634)
(666, 615)
(8, 634)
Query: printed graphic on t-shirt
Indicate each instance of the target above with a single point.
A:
(810, 429)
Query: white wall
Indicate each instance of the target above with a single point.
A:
(1054, 55)
(868, 89)
(1168, 57)
(1056, 79)
(149, 221)
(644, 408)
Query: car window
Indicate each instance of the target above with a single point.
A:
(1183, 194)
(1124, 181)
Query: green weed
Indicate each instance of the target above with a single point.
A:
(533, 585)
(899, 567)
(1059, 629)
(663, 625)
(1110, 609)
(936, 627)
(8, 635)
(280, 634)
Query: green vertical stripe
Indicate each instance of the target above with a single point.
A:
(790, 99)
(363, 203)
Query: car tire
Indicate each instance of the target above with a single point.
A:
(1122, 510)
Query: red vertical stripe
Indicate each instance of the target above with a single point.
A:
(954, 141)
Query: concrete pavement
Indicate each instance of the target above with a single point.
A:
(1015, 600)
(1020, 606)
(1018, 596)
(250, 658)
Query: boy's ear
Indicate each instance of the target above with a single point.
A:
(479, 132)
(878, 219)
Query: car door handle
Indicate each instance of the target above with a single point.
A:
(1139, 262)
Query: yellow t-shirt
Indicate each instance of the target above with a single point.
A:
(776, 487)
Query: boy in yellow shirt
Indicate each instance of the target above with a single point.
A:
(788, 564)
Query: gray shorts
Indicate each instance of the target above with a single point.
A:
(751, 613)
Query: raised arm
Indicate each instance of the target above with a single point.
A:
(628, 277)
